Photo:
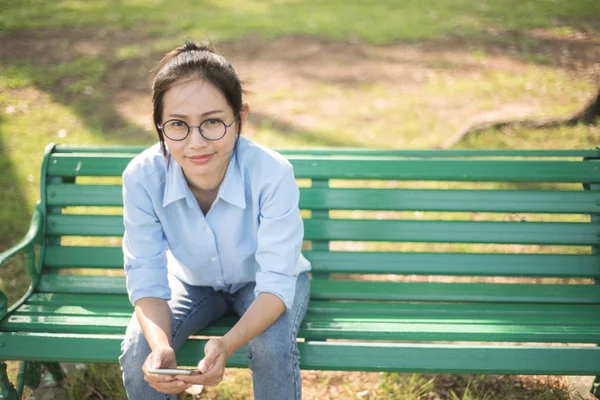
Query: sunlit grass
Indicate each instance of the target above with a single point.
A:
(378, 22)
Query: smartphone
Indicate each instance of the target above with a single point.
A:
(174, 371)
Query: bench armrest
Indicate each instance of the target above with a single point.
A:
(26, 244)
(30, 238)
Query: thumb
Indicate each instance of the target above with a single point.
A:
(209, 359)
(156, 361)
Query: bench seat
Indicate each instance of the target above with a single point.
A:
(352, 320)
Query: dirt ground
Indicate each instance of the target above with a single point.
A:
(293, 64)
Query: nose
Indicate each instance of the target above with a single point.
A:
(196, 138)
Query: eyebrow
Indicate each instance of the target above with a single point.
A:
(202, 115)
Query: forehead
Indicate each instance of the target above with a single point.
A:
(193, 97)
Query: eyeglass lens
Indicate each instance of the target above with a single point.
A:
(211, 129)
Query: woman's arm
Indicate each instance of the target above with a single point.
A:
(154, 317)
(261, 314)
(144, 250)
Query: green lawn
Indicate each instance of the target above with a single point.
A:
(380, 74)
(374, 21)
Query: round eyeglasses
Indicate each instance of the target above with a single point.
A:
(211, 129)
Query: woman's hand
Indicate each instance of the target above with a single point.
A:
(163, 357)
(211, 367)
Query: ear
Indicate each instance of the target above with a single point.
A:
(244, 115)
(155, 125)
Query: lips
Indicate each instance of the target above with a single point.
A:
(201, 158)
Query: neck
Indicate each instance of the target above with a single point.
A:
(206, 183)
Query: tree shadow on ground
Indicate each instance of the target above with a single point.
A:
(83, 70)
(80, 69)
(14, 221)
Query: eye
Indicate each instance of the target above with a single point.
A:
(212, 121)
(178, 124)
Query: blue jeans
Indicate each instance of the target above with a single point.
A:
(274, 357)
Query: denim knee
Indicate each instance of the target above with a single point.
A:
(134, 352)
(277, 353)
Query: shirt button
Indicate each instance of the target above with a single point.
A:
(207, 229)
(213, 259)
(219, 282)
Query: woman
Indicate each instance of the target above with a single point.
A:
(211, 224)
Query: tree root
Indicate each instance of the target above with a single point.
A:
(587, 115)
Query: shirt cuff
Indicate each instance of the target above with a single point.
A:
(282, 286)
(147, 282)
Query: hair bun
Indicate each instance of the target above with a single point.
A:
(192, 45)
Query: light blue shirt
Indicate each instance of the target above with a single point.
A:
(252, 233)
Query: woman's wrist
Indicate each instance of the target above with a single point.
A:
(228, 347)
(160, 347)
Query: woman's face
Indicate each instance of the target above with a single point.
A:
(195, 102)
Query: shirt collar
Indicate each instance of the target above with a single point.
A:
(176, 186)
(232, 189)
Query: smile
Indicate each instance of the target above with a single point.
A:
(200, 159)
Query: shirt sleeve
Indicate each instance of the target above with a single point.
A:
(144, 244)
(279, 237)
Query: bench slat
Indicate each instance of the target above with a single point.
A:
(540, 360)
(428, 315)
(67, 311)
(316, 167)
(335, 328)
(322, 289)
(113, 301)
(83, 257)
(50, 283)
(85, 225)
(544, 233)
(459, 264)
(576, 313)
(359, 151)
(562, 233)
(525, 201)
(84, 195)
(585, 314)
(465, 264)
(447, 170)
(512, 201)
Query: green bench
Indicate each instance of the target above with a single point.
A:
(412, 251)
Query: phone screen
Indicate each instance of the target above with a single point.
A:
(174, 371)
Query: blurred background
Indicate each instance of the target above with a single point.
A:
(377, 74)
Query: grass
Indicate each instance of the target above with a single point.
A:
(377, 22)
(396, 75)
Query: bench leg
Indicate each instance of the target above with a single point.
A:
(7, 390)
(54, 374)
(32, 373)
(596, 387)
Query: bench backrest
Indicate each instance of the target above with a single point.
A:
(433, 226)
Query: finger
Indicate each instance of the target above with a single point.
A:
(173, 391)
(205, 380)
(206, 364)
(159, 378)
(211, 355)
(194, 379)
(171, 387)
(213, 377)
